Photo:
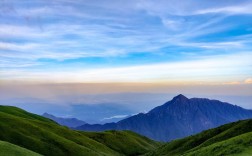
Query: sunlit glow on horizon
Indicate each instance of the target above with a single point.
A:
(221, 69)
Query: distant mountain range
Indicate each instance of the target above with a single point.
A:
(69, 122)
(98, 113)
(177, 118)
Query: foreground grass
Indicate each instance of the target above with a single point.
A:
(46, 137)
(8, 149)
(239, 145)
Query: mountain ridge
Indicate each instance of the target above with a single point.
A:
(69, 122)
(177, 118)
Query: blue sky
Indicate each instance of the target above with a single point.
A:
(134, 54)
(205, 41)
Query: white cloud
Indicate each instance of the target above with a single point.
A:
(115, 117)
(240, 9)
(15, 46)
(10, 31)
(172, 24)
(214, 45)
(211, 69)
(191, 7)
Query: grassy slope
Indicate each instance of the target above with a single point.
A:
(231, 139)
(122, 143)
(8, 149)
(48, 138)
(239, 145)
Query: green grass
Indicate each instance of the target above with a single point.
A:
(46, 137)
(239, 145)
(122, 141)
(8, 149)
(230, 139)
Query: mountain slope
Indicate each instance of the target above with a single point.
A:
(177, 118)
(69, 122)
(230, 139)
(46, 137)
(8, 149)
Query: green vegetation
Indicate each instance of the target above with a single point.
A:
(23, 132)
(46, 137)
(8, 149)
(239, 145)
(229, 139)
(123, 141)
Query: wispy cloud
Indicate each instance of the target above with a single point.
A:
(115, 117)
(21, 47)
(202, 71)
(44, 36)
(235, 9)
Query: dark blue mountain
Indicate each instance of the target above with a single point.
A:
(177, 118)
(69, 122)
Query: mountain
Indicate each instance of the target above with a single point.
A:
(46, 137)
(100, 113)
(230, 139)
(177, 118)
(69, 122)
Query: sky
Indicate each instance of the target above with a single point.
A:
(116, 46)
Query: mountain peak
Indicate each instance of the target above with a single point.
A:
(180, 97)
(47, 114)
(69, 122)
(177, 118)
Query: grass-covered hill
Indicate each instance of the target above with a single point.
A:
(8, 149)
(230, 139)
(46, 137)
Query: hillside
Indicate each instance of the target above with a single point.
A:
(230, 139)
(8, 149)
(46, 137)
(177, 118)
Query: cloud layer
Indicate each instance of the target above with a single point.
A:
(114, 41)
